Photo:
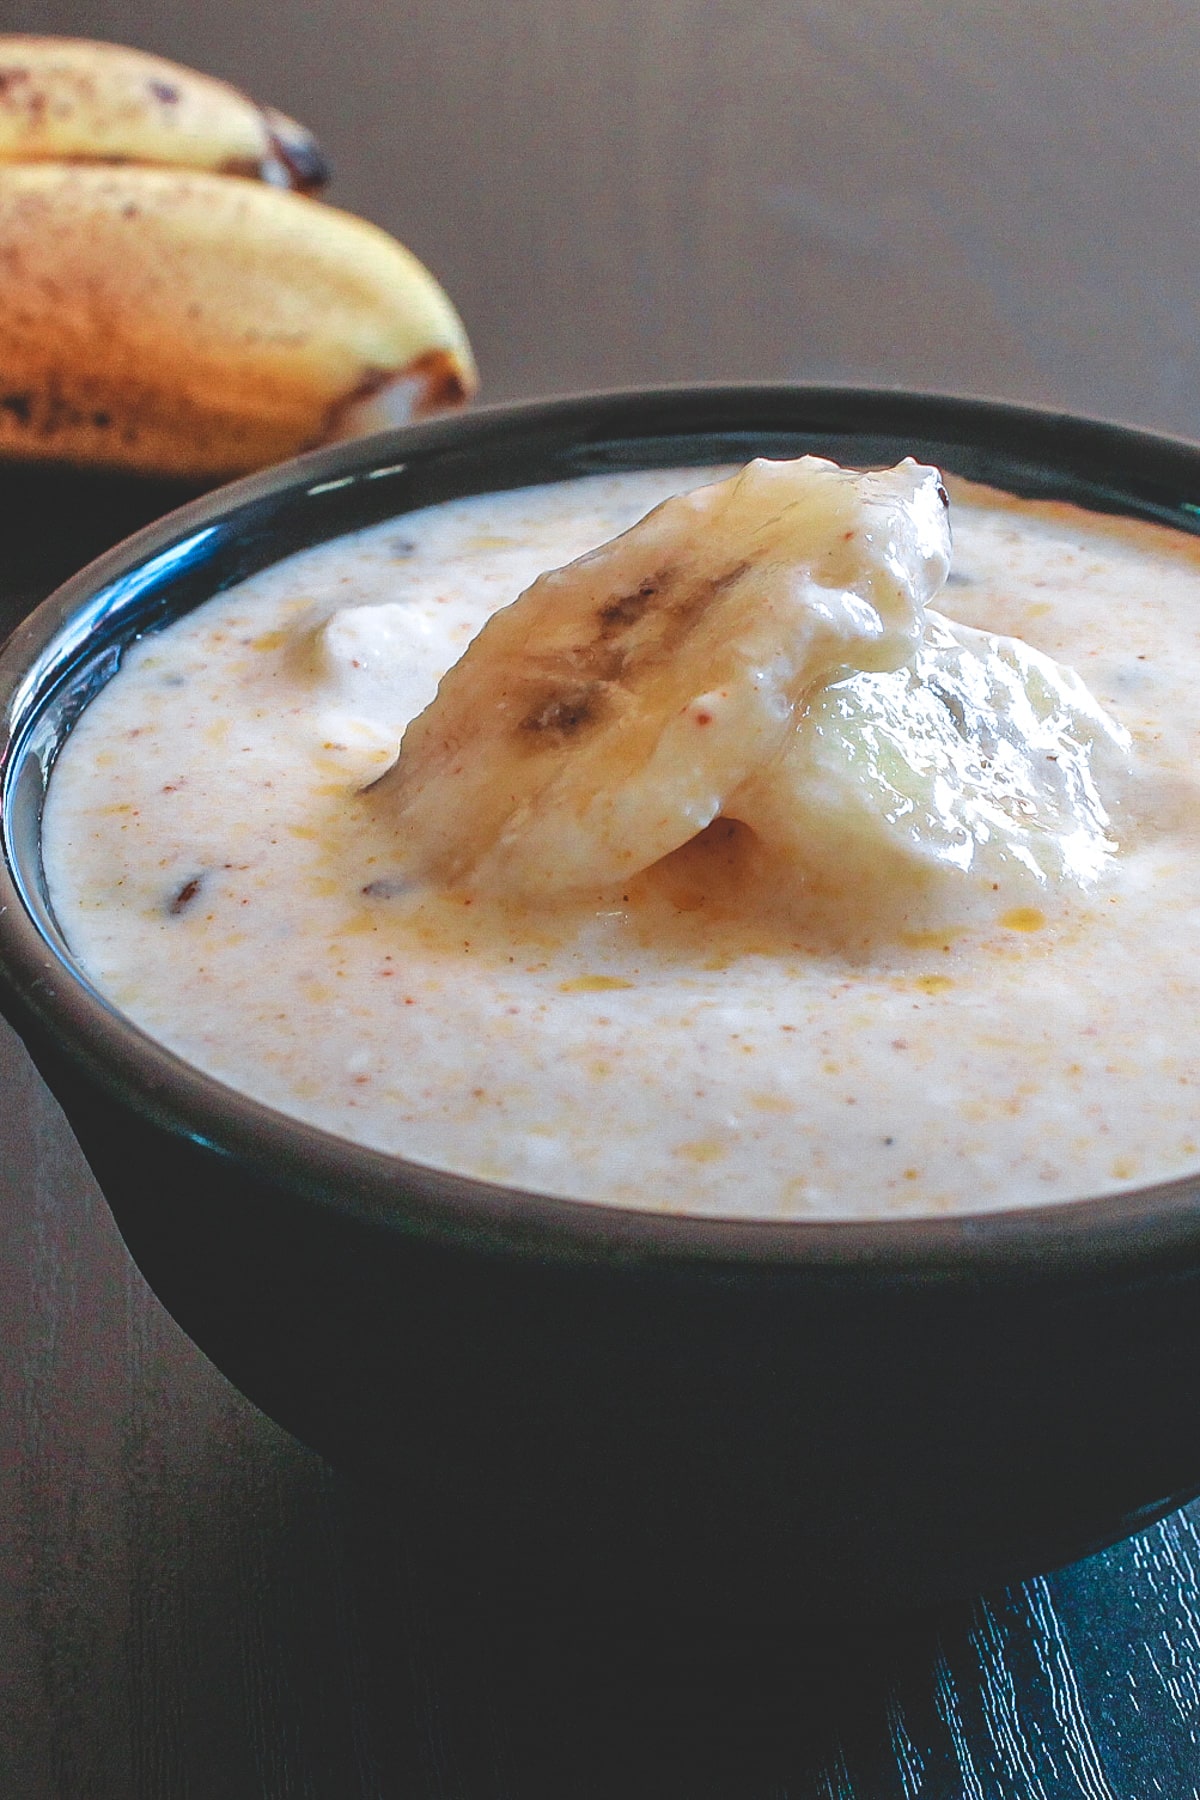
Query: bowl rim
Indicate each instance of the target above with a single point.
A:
(1113, 467)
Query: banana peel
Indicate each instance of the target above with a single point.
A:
(186, 320)
(72, 100)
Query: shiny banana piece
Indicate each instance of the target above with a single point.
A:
(71, 100)
(608, 715)
(197, 324)
(981, 763)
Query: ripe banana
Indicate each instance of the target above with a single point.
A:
(199, 324)
(180, 320)
(610, 713)
(982, 758)
(69, 100)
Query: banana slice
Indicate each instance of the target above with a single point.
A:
(202, 325)
(607, 715)
(983, 758)
(70, 100)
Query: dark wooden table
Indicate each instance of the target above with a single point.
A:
(945, 195)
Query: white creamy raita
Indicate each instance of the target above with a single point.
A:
(717, 1034)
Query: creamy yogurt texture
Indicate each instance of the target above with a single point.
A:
(707, 1037)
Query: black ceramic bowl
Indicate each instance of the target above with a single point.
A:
(605, 1407)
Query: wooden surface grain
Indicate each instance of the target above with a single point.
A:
(961, 196)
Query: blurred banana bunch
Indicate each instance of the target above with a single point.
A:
(171, 300)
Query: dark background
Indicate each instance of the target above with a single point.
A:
(951, 194)
(990, 199)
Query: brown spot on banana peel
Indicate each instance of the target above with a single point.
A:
(443, 382)
(296, 152)
(291, 159)
(434, 382)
